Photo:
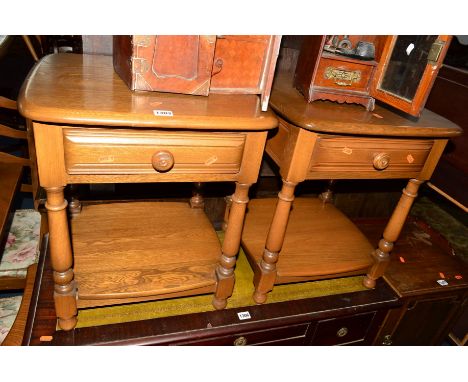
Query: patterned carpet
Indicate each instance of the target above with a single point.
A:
(447, 219)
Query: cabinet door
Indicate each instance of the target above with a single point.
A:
(176, 64)
(407, 70)
(422, 322)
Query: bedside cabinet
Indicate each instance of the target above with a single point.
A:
(90, 128)
(293, 240)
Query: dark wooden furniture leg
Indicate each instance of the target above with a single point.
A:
(197, 201)
(74, 207)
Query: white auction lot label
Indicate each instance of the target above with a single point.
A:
(163, 113)
(244, 316)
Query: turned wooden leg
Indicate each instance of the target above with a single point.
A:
(327, 195)
(61, 258)
(228, 200)
(264, 279)
(196, 200)
(391, 233)
(74, 207)
(231, 244)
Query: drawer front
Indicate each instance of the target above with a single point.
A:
(367, 158)
(103, 151)
(288, 335)
(342, 331)
(336, 74)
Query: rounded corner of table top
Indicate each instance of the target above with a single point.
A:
(85, 90)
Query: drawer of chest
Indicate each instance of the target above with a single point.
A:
(287, 335)
(125, 151)
(342, 157)
(342, 331)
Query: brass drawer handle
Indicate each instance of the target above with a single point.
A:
(241, 341)
(381, 161)
(387, 340)
(162, 161)
(342, 332)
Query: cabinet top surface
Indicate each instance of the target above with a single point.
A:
(422, 260)
(331, 117)
(84, 89)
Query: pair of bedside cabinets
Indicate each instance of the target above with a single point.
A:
(90, 128)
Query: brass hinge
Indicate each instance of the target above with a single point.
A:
(434, 52)
(139, 65)
(143, 41)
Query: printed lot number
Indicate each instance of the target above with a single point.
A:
(244, 316)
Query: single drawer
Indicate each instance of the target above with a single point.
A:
(343, 157)
(344, 330)
(334, 73)
(287, 335)
(122, 151)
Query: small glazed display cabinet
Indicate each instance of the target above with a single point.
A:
(397, 70)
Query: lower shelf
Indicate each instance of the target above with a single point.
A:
(320, 241)
(306, 321)
(127, 252)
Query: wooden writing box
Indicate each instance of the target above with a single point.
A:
(400, 72)
(198, 65)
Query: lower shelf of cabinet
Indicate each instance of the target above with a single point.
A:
(320, 241)
(302, 321)
(128, 252)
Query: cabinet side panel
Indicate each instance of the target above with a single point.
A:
(50, 157)
(307, 63)
(122, 53)
(239, 64)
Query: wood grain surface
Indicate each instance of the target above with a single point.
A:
(104, 151)
(319, 239)
(283, 319)
(329, 117)
(126, 250)
(85, 90)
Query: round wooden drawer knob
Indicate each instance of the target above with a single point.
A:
(162, 161)
(381, 161)
(342, 332)
(241, 341)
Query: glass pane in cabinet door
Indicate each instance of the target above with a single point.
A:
(406, 65)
